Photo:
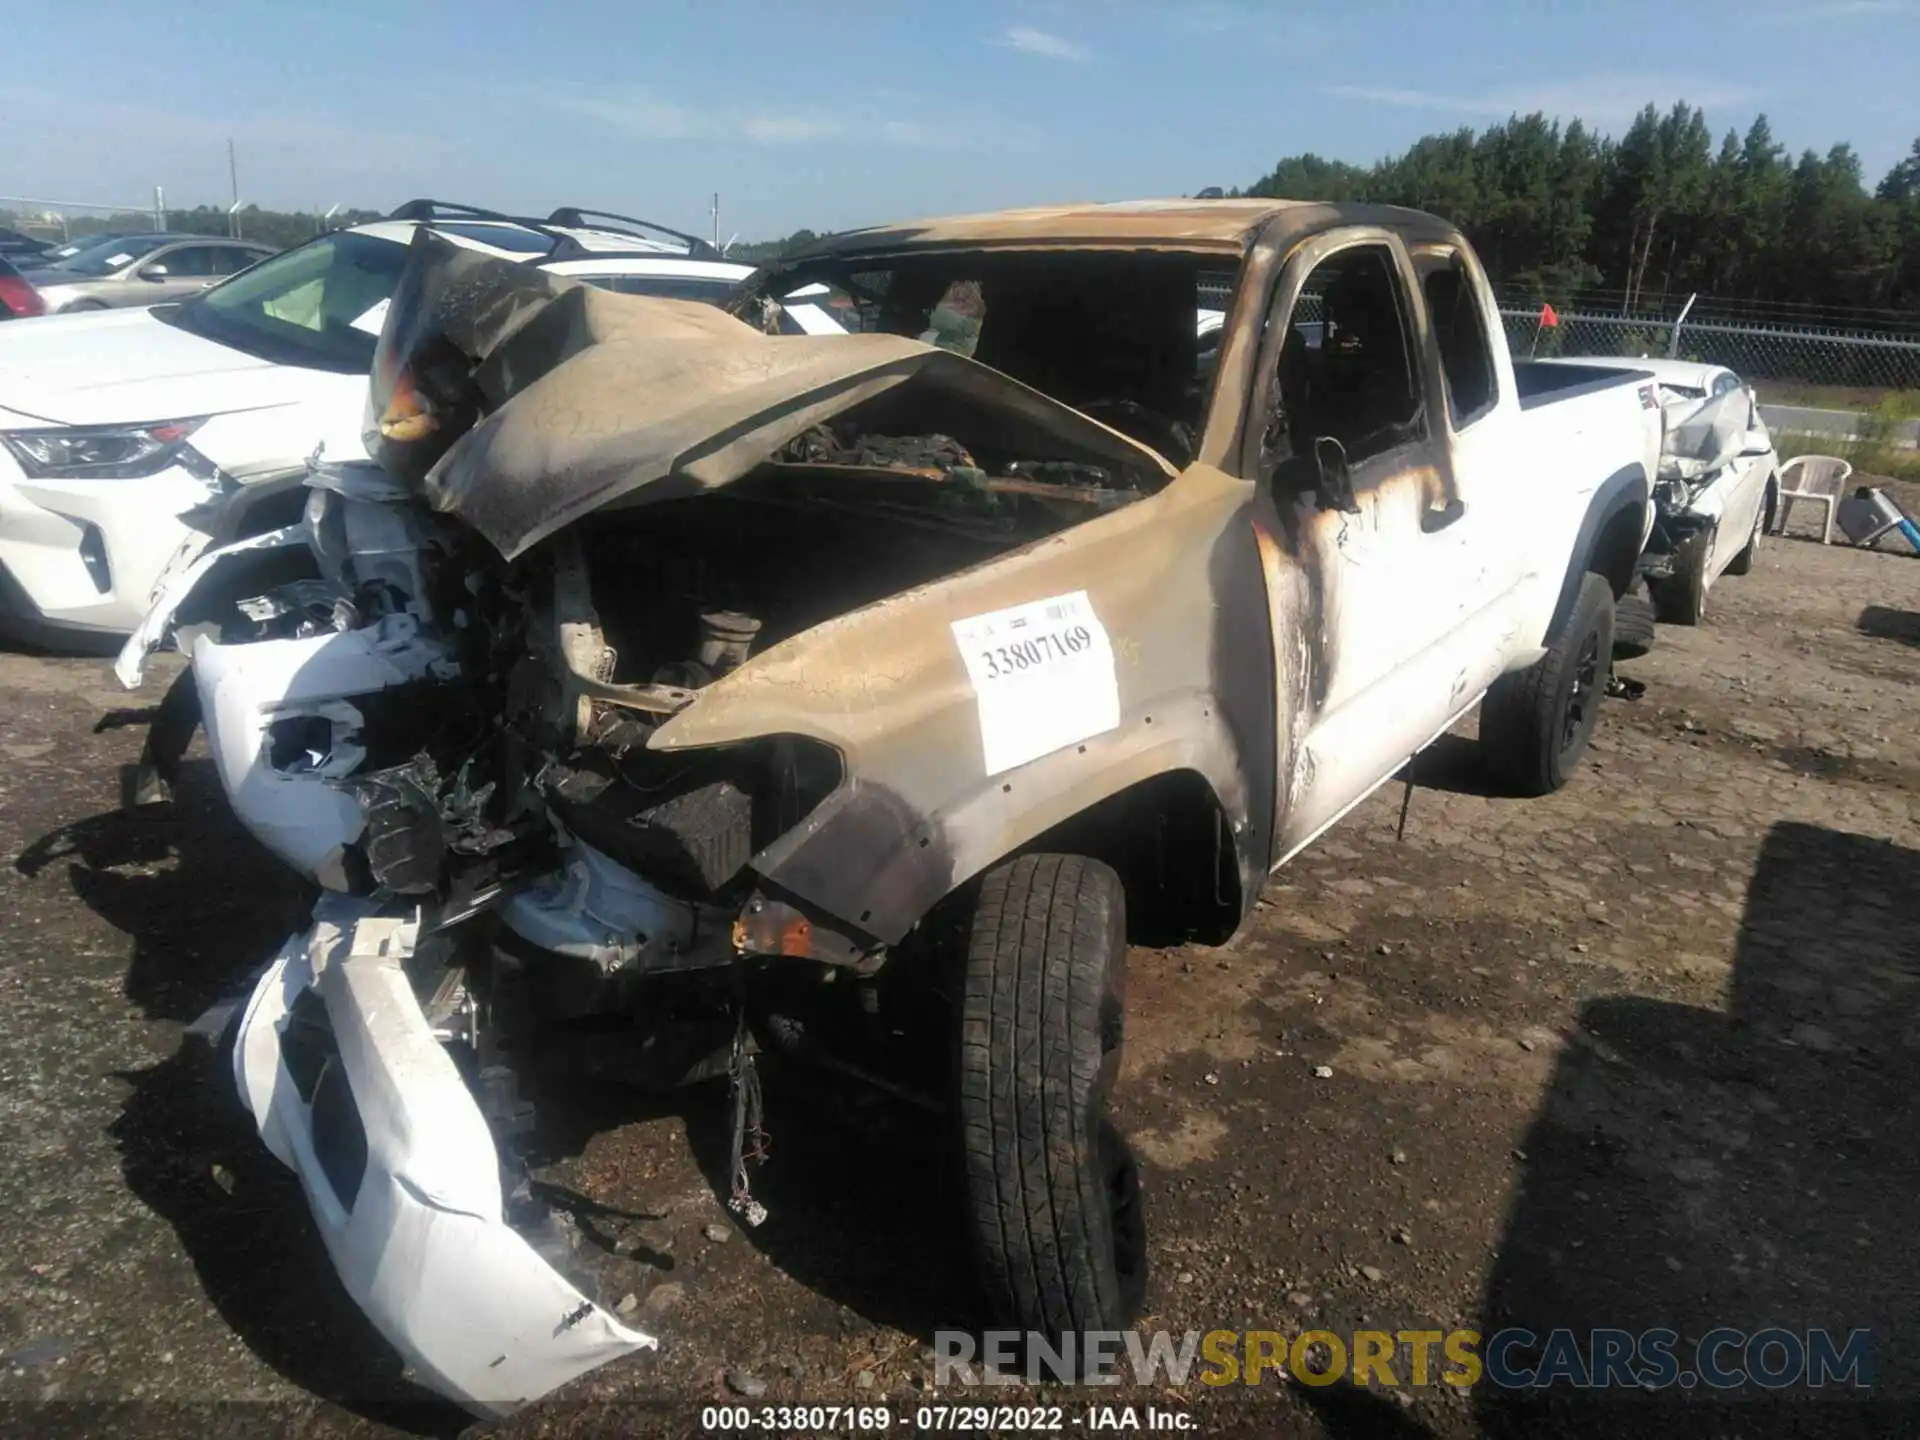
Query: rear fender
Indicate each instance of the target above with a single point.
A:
(1609, 541)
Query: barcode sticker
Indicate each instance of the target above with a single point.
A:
(1043, 675)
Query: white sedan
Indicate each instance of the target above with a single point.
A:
(1719, 481)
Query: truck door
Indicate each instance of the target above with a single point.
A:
(1365, 569)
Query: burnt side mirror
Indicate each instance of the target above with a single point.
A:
(1335, 488)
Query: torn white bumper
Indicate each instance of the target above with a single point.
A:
(248, 691)
(400, 1169)
(191, 564)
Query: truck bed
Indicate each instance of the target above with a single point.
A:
(1540, 383)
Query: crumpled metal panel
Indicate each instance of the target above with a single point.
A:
(421, 1244)
(590, 397)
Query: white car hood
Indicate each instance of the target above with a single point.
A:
(115, 367)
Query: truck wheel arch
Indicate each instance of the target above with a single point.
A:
(867, 861)
(1178, 856)
(1609, 540)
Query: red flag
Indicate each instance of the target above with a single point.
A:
(1548, 318)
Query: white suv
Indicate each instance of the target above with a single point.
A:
(116, 426)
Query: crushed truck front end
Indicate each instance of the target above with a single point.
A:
(602, 735)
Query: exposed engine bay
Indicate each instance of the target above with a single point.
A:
(447, 693)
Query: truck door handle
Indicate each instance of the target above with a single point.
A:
(1434, 520)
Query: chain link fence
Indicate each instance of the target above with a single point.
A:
(1880, 359)
(1866, 350)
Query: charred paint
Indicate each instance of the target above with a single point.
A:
(865, 856)
(1243, 664)
(1252, 566)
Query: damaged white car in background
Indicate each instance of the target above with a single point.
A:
(1719, 481)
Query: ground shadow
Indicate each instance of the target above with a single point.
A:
(859, 1195)
(204, 906)
(1346, 1412)
(866, 1209)
(202, 903)
(1456, 765)
(192, 1156)
(52, 644)
(1884, 623)
(1748, 1167)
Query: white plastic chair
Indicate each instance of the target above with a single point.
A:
(1819, 478)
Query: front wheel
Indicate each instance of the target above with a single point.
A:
(1535, 723)
(1052, 1188)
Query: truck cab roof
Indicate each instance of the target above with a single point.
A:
(1172, 224)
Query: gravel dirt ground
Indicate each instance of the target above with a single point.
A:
(1640, 1054)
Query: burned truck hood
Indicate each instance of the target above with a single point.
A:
(520, 401)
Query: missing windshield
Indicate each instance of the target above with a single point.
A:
(1129, 339)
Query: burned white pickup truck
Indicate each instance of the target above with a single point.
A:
(659, 668)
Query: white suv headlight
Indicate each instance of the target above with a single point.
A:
(117, 452)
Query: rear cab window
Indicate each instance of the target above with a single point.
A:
(1460, 334)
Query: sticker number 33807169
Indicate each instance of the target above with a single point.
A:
(1043, 676)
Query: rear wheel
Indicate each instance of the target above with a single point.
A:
(1633, 618)
(1053, 1191)
(1536, 722)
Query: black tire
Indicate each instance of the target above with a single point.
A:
(1742, 564)
(1633, 618)
(1681, 598)
(1535, 723)
(1053, 1190)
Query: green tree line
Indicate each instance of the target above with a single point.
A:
(1659, 211)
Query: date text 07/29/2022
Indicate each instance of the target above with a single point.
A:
(936, 1418)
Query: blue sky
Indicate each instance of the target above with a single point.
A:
(834, 114)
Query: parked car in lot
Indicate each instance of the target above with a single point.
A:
(1719, 481)
(118, 430)
(68, 248)
(24, 250)
(660, 666)
(18, 299)
(142, 270)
